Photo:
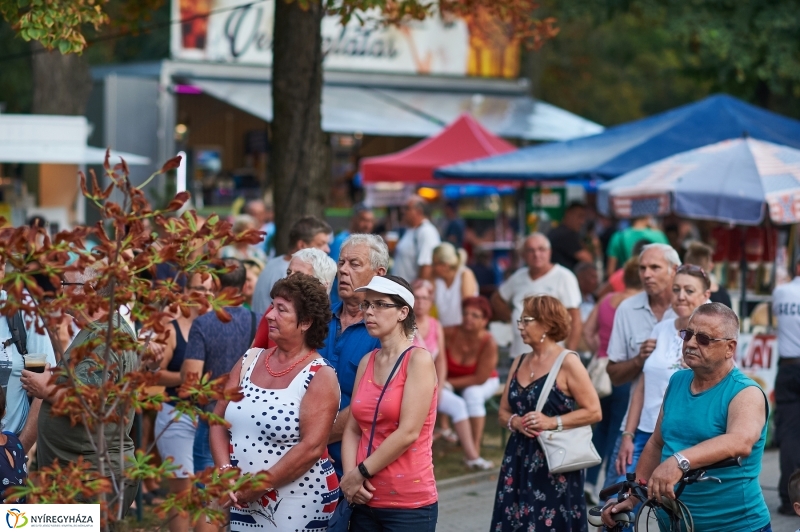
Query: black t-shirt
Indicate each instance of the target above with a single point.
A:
(565, 243)
(721, 296)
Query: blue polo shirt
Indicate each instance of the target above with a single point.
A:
(344, 349)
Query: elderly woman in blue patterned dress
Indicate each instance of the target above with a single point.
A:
(281, 426)
(528, 497)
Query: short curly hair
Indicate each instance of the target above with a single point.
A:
(310, 302)
(551, 313)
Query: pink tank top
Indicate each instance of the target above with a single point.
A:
(408, 482)
(432, 338)
(605, 322)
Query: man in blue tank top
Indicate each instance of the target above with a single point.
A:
(711, 412)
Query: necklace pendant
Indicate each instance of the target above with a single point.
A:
(532, 373)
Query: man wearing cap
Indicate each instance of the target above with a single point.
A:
(362, 257)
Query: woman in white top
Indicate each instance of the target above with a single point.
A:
(690, 289)
(454, 282)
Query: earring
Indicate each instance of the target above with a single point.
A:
(544, 335)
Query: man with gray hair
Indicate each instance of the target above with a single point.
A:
(540, 276)
(631, 342)
(712, 413)
(362, 257)
(316, 263)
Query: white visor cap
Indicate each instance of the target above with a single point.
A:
(382, 285)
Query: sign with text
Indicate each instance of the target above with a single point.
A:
(241, 31)
(44, 517)
(757, 357)
(545, 205)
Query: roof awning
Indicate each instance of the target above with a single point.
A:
(35, 139)
(414, 113)
(518, 117)
(344, 109)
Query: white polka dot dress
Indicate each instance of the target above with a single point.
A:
(264, 426)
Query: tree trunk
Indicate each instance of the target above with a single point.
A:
(297, 161)
(61, 83)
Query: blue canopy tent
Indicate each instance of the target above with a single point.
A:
(624, 148)
(739, 181)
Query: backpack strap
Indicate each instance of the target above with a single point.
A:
(19, 336)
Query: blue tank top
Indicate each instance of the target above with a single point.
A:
(736, 505)
(177, 357)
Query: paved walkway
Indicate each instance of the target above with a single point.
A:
(465, 504)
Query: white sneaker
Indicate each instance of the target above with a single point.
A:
(480, 464)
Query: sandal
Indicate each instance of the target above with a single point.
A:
(481, 464)
(449, 435)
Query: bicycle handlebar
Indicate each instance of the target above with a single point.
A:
(728, 462)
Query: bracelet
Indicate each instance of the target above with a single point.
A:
(224, 467)
(508, 425)
(626, 433)
(364, 471)
(560, 424)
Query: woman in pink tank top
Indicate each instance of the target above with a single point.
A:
(393, 483)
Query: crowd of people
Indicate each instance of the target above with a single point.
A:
(352, 361)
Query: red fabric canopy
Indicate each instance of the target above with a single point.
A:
(463, 140)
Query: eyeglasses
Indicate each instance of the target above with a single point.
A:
(703, 340)
(363, 307)
(526, 320)
(65, 283)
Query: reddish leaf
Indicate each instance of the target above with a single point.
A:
(172, 164)
(178, 201)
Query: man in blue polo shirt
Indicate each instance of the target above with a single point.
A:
(362, 257)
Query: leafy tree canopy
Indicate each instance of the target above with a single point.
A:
(618, 60)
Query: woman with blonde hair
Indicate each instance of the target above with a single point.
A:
(454, 282)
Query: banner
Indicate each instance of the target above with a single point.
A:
(241, 31)
(45, 517)
(757, 357)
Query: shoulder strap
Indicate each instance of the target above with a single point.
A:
(247, 361)
(18, 334)
(378, 404)
(551, 380)
(253, 326)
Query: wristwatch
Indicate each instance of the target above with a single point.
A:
(683, 462)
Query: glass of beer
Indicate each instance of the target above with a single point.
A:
(35, 362)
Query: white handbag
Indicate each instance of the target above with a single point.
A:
(565, 450)
(600, 379)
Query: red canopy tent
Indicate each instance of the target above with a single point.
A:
(463, 140)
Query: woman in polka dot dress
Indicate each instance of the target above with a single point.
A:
(281, 426)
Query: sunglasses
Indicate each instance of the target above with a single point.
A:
(703, 340)
(692, 269)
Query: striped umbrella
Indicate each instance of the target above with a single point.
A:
(734, 181)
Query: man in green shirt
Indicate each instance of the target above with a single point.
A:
(58, 439)
(621, 245)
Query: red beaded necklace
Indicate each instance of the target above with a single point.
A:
(285, 371)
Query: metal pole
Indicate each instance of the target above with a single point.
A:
(743, 275)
